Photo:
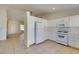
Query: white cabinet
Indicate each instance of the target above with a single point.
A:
(71, 24)
(74, 31)
(74, 21)
(65, 21)
(74, 40)
(61, 28)
(54, 27)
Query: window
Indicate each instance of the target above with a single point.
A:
(21, 27)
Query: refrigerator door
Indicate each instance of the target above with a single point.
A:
(39, 32)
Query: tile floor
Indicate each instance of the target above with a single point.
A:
(14, 46)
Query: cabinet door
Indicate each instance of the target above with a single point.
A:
(71, 40)
(67, 21)
(74, 21)
(74, 41)
(74, 37)
(74, 31)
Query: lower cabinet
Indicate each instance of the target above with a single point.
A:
(62, 38)
(71, 41)
(70, 24)
(74, 41)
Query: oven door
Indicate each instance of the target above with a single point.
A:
(62, 38)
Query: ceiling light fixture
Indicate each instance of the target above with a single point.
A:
(53, 8)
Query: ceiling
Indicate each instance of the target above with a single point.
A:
(45, 8)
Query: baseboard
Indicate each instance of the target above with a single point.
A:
(13, 35)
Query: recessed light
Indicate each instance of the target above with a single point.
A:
(53, 8)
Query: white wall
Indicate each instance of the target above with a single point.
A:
(52, 28)
(29, 30)
(3, 24)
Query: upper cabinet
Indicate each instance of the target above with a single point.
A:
(74, 21)
(64, 21)
(71, 21)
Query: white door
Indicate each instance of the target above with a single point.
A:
(39, 32)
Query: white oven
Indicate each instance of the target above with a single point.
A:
(62, 38)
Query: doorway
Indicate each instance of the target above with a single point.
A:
(22, 28)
